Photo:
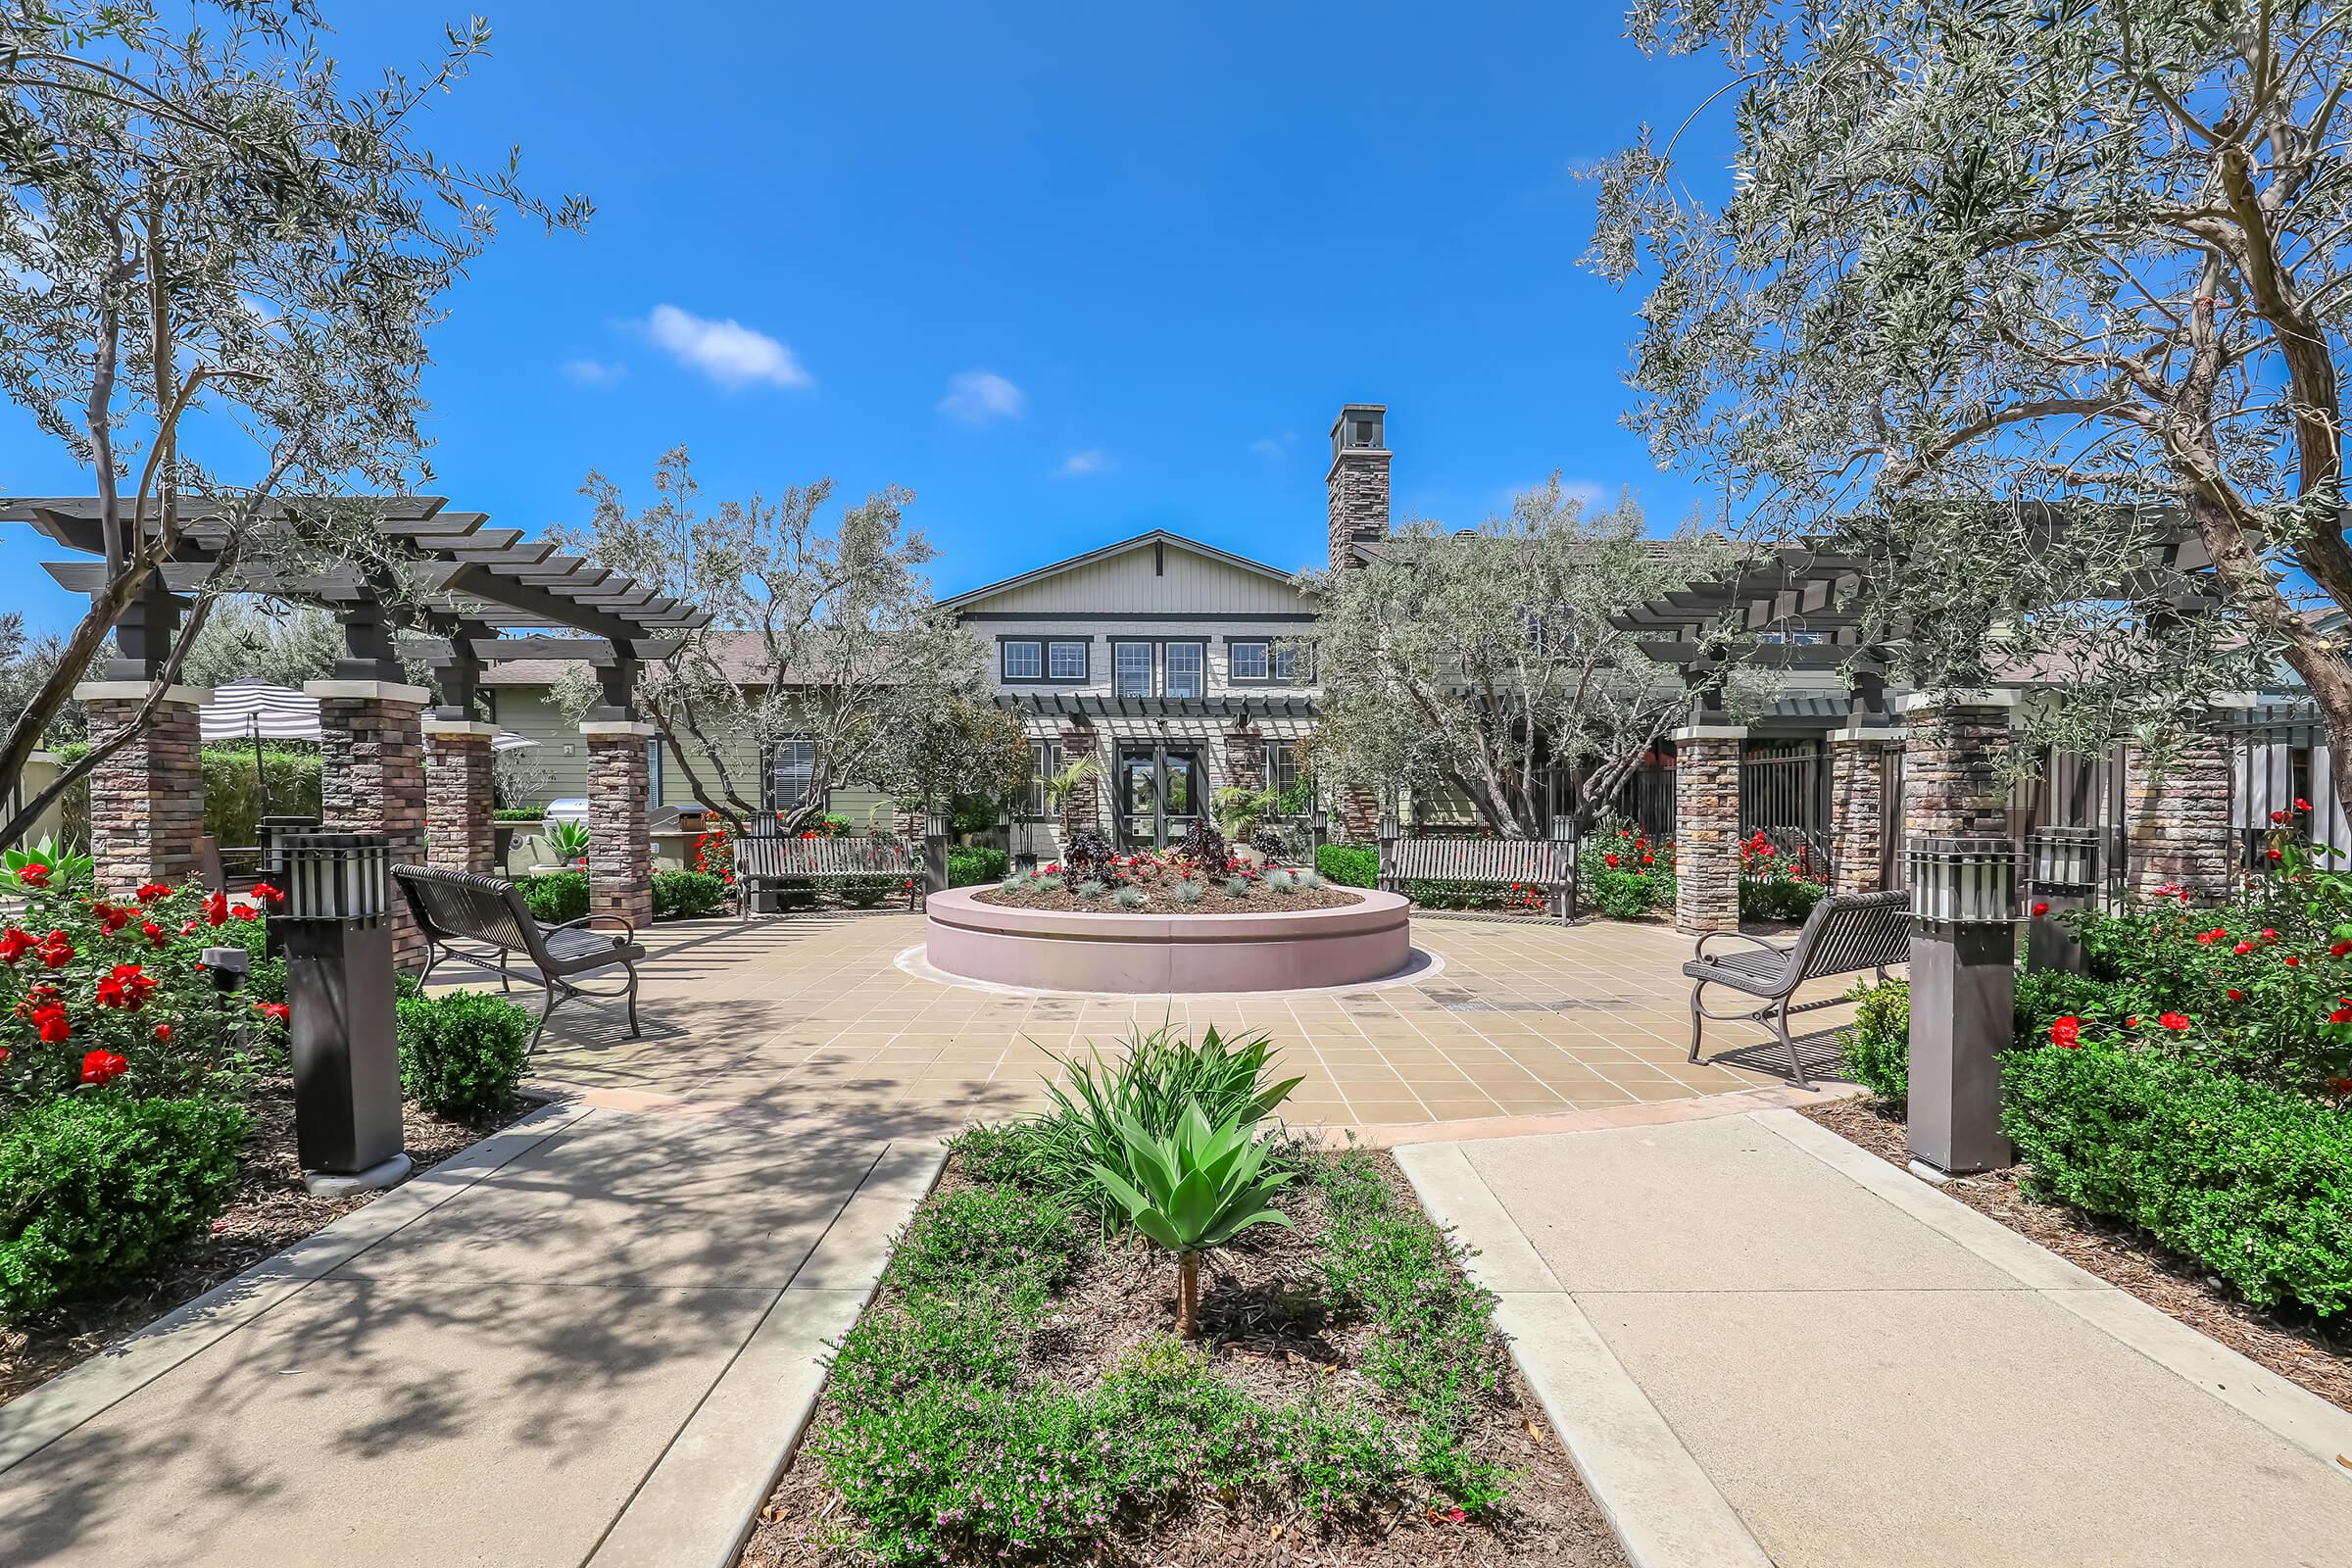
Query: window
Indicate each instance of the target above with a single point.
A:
(1184, 670)
(1289, 664)
(1024, 662)
(1131, 666)
(1067, 661)
(1248, 660)
(791, 767)
(1045, 761)
(1282, 765)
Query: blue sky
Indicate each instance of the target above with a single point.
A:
(1069, 278)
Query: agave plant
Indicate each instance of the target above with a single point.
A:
(64, 863)
(567, 839)
(1194, 1191)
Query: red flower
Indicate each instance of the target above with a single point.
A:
(102, 1067)
(149, 892)
(111, 918)
(155, 934)
(267, 894)
(2340, 1016)
(2302, 804)
(56, 950)
(2041, 910)
(215, 910)
(2244, 947)
(127, 987)
(1608, 859)
(1647, 861)
(246, 911)
(2235, 995)
(2065, 1031)
(34, 874)
(2290, 960)
(2175, 1021)
(2277, 817)
(2336, 949)
(2271, 855)
(276, 1012)
(163, 1034)
(2269, 936)
(2130, 1024)
(49, 1020)
(13, 945)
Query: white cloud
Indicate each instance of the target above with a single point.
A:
(1274, 446)
(978, 396)
(594, 373)
(728, 351)
(1078, 464)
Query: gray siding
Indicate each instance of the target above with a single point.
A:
(1189, 584)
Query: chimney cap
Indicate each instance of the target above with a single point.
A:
(1360, 427)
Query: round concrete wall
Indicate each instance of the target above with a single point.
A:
(1069, 950)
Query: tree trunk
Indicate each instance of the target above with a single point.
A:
(1188, 1295)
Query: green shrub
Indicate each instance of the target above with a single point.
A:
(2252, 1182)
(687, 895)
(969, 865)
(462, 1053)
(518, 813)
(232, 796)
(865, 892)
(555, 897)
(1350, 865)
(1447, 894)
(1628, 895)
(1878, 1043)
(95, 1188)
(1778, 897)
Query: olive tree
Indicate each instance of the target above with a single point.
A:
(218, 267)
(1483, 662)
(2005, 297)
(818, 632)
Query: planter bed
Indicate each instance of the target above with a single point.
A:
(1105, 1384)
(271, 1213)
(2294, 1348)
(1261, 900)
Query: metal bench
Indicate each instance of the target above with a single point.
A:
(482, 918)
(772, 857)
(1845, 934)
(1546, 864)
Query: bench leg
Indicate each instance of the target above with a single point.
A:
(1699, 1020)
(549, 987)
(1796, 1063)
(505, 985)
(633, 1029)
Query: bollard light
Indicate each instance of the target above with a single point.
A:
(2064, 870)
(1963, 995)
(339, 985)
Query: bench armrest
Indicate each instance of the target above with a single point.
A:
(1701, 951)
(591, 919)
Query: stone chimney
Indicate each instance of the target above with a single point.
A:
(1359, 480)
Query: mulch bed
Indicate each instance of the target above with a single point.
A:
(2296, 1348)
(1262, 1327)
(271, 1212)
(1261, 900)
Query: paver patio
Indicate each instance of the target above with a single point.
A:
(1514, 1020)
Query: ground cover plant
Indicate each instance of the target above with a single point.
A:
(1204, 875)
(1024, 1390)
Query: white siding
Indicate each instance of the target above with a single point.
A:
(1189, 584)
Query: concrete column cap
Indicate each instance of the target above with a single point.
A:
(1982, 697)
(459, 728)
(2234, 700)
(1709, 732)
(382, 691)
(136, 691)
(1862, 734)
(617, 729)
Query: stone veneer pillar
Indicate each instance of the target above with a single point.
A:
(459, 835)
(1858, 757)
(620, 854)
(1083, 808)
(371, 779)
(1358, 814)
(1953, 754)
(1245, 760)
(2178, 816)
(147, 799)
(1706, 828)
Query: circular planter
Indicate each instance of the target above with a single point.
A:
(1079, 949)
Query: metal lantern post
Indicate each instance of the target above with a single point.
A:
(1963, 993)
(935, 848)
(2063, 876)
(338, 889)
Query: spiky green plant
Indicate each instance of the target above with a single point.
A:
(1193, 1190)
(1236, 887)
(1129, 898)
(1092, 889)
(1189, 890)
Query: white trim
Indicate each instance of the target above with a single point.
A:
(460, 728)
(1709, 732)
(116, 690)
(384, 691)
(1884, 733)
(2234, 700)
(1983, 697)
(602, 729)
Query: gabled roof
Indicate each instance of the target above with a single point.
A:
(1154, 536)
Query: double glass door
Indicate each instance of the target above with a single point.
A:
(1163, 789)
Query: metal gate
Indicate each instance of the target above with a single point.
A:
(1784, 795)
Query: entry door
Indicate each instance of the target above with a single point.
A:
(1138, 800)
(1162, 792)
(1183, 795)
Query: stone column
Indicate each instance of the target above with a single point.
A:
(458, 831)
(1858, 757)
(620, 857)
(1358, 814)
(372, 778)
(146, 800)
(1953, 754)
(1082, 809)
(1706, 828)
(1245, 760)
(2178, 817)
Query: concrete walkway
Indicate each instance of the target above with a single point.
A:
(588, 1340)
(1763, 1344)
